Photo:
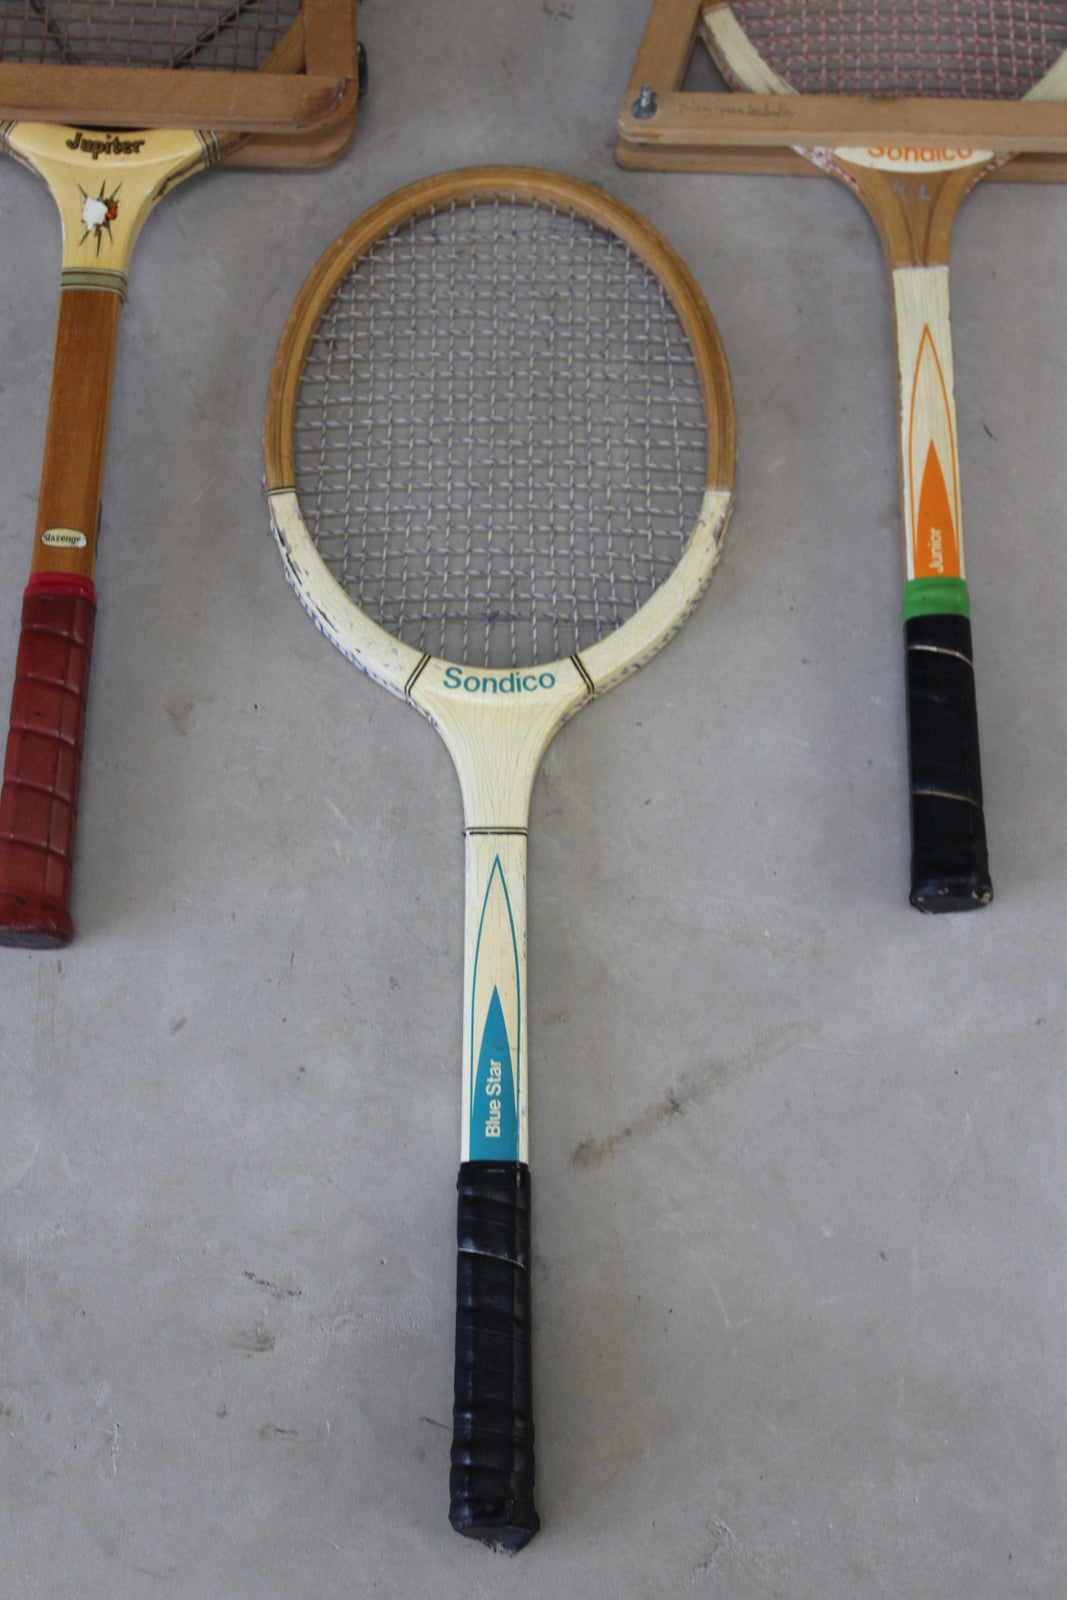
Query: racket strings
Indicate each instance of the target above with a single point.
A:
(224, 35)
(980, 49)
(500, 443)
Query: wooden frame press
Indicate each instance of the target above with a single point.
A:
(663, 126)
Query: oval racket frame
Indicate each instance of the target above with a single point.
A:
(386, 659)
(497, 723)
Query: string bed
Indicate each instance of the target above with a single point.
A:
(220, 35)
(500, 444)
(958, 48)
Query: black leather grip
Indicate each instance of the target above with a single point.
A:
(949, 859)
(492, 1474)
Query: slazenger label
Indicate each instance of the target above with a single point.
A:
(64, 539)
(913, 158)
(498, 682)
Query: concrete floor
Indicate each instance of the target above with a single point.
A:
(799, 1154)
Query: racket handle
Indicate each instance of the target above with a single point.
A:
(42, 769)
(493, 1438)
(949, 860)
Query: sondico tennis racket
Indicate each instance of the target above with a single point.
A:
(500, 449)
(900, 48)
(105, 183)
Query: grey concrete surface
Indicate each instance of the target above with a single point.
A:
(799, 1154)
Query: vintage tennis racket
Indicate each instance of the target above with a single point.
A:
(500, 451)
(105, 182)
(1009, 49)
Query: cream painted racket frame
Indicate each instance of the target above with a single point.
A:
(498, 723)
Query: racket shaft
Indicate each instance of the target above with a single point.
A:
(949, 866)
(493, 1438)
(39, 799)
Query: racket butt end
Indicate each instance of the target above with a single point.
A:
(30, 924)
(492, 1478)
(949, 864)
(949, 857)
(502, 1524)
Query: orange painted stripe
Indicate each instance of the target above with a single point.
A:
(934, 534)
(936, 547)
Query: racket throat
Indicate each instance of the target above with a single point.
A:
(105, 185)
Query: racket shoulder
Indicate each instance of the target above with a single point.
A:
(497, 724)
(106, 183)
(617, 655)
(387, 661)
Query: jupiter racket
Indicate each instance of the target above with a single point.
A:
(499, 453)
(1010, 49)
(61, 61)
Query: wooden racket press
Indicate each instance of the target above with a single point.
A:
(665, 126)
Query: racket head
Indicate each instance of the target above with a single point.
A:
(953, 49)
(475, 262)
(181, 63)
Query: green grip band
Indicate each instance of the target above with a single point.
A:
(936, 597)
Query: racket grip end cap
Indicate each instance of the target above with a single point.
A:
(949, 870)
(27, 924)
(492, 1475)
(42, 767)
(949, 858)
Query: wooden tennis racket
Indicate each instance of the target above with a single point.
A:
(105, 182)
(499, 451)
(958, 48)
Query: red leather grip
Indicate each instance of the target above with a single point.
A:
(42, 769)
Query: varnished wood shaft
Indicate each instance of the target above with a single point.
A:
(72, 471)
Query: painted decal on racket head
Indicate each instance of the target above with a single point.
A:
(111, 144)
(911, 158)
(494, 683)
(98, 213)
